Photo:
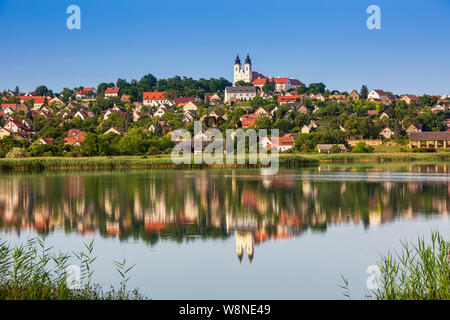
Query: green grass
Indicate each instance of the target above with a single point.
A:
(420, 272)
(32, 272)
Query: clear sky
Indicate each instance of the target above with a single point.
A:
(321, 40)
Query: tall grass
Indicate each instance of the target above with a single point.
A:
(31, 271)
(421, 271)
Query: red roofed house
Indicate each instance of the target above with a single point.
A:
(38, 102)
(75, 137)
(281, 84)
(279, 143)
(372, 112)
(408, 98)
(377, 94)
(83, 93)
(183, 101)
(248, 120)
(15, 126)
(112, 92)
(155, 99)
(292, 98)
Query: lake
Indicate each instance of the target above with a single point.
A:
(231, 233)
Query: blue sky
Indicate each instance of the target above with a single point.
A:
(321, 40)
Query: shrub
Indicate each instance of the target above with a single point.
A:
(16, 152)
(361, 147)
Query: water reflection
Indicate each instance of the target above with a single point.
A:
(186, 205)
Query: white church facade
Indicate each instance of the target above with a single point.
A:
(247, 75)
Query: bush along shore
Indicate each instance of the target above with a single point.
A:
(421, 271)
(131, 162)
(164, 161)
(31, 271)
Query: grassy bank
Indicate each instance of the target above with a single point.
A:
(144, 162)
(32, 272)
(125, 162)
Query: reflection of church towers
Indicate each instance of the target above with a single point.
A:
(244, 241)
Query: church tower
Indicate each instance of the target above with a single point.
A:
(242, 74)
(248, 69)
(237, 69)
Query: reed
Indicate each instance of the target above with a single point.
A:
(421, 271)
(31, 271)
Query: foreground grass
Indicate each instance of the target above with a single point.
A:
(32, 272)
(165, 161)
(421, 271)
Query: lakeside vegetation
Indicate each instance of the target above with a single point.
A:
(31, 271)
(420, 271)
(165, 161)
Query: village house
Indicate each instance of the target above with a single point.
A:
(190, 106)
(248, 120)
(161, 111)
(291, 98)
(125, 98)
(112, 93)
(384, 115)
(84, 114)
(414, 128)
(338, 97)
(377, 94)
(354, 95)
(213, 100)
(113, 130)
(14, 126)
(308, 128)
(181, 101)
(388, 100)
(56, 102)
(75, 137)
(155, 99)
(435, 139)
(262, 111)
(239, 93)
(326, 148)
(279, 143)
(281, 84)
(189, 116)
(387, 133)
(85, 93)
(408, 98)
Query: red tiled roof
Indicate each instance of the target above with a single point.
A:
(248, 122)
(282, 141)
(182, 100)
(85, 90)
(154, 96)
(112, 90)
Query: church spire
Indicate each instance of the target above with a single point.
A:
(238, 60)
(248, 60)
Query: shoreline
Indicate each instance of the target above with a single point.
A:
(164, 162)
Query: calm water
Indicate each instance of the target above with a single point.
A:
(231, 234)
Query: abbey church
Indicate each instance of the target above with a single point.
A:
(247, 75)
